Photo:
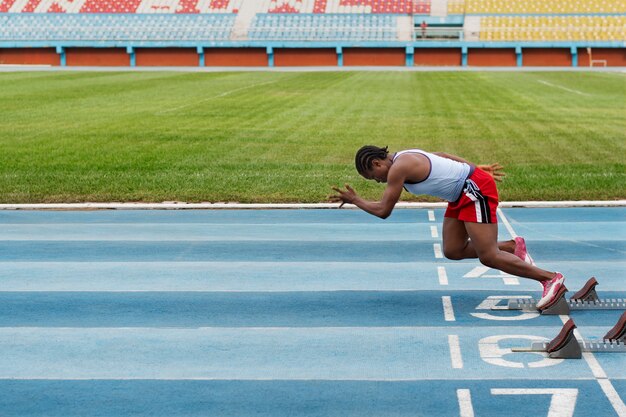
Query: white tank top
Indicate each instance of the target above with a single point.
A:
(445, 179)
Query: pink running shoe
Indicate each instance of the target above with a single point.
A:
(550, 290)
(521, 252)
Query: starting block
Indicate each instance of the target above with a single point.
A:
(566, 346)
(585, 299)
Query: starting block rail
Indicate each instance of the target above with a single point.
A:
(585, 299)
(566, 346)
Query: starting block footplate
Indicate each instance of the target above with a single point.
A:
(566, 346)
(585, 299)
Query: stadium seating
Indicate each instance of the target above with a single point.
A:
(302, 20)
(456, 6)
(170, 20)
(119, 6)
(215, 6)
(111, 27)
(553, 28)
(544, 6)
(323, 27)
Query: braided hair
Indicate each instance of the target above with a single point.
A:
(366, 155)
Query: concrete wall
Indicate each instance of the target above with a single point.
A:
(483, 57)
(235, 57)
(97, 57)
(613, 57)
(305, 57)
(373, 57)
(286, 57)
(29, 56)
(166, 57)
(547, 57)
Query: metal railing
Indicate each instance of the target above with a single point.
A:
(430, 34)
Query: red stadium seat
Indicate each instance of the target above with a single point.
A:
(219, 6)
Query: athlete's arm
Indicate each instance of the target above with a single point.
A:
(382, 208)
(495, 170)
(453, 157)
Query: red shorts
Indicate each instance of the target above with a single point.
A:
(478, 201)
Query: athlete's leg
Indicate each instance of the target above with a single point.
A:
(484, 241)
(456, 242)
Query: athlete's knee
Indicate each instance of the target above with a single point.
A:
(489, 259)
(454, 254)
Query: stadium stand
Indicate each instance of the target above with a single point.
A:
(456, 7)
(206, 6)
(115, 27)
(553, 28)
(544, 6)
(540, 20)
(119, 6)
(261, 26)
(324, 27)
(133, 20)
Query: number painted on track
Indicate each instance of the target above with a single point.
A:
(562, 404)
(494, 303)
(491, 352)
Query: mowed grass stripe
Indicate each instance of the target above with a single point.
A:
(286, 137)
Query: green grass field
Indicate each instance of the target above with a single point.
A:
(287, 137)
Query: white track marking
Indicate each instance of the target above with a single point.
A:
(481, 272)
(431, 215)
(600, 375)
(613, 396)
(562, 404)
(465, 403)
(443, 276)
(455, 351)
(510, 281)
(563, 88)
(433, 232)
(181, 205)
(448, 310)
(438, 252)
(506, 224)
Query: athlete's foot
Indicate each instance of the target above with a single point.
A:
(551, 289)
(521, 252)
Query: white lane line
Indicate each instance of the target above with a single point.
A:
(192, 378)
(455, 351)
(563, 88)
(433, 232)
(431, 215)
(593, 363)
(438, 252)
(506, 223)
(218, 206)
(508, 280)
(224, 94)
(443, 276)
(600, 375)
(448, 310)
(613, 396)
(465, 403)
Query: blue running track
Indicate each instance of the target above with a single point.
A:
(295, 313)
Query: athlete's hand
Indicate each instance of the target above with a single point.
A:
(495, 170)
(343, 196)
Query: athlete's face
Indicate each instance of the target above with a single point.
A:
(378, 172)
